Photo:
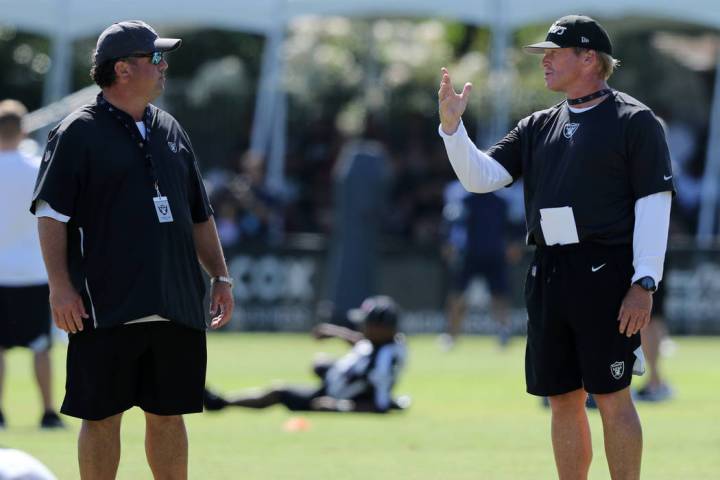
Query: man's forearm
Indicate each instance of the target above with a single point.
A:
(478, 172)
(53, 243)
(209, 251)
(652, 220)
(336, 331)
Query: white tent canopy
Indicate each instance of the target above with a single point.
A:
(67, 20)
(78, 18)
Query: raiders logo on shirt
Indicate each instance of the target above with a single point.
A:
(569, 129)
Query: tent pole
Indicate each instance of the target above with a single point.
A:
(707, 216)
(499, 80)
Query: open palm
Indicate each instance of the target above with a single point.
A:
(451, 104)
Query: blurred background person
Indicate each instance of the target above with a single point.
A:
(360, 381)
(24, 304)
(249, 212)
(656, 389)
(475, 246)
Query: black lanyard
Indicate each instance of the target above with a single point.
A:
(143, 144)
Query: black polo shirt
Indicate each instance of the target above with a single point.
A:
(599, 162)
(125, 262)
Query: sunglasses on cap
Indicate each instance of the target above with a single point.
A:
(155, 57)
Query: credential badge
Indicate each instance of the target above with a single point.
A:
(569, 129)
(617, 369)
(173, 146)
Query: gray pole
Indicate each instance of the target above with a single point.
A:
(707, 216)
(268, 89)
(57, 82)
(499, 81)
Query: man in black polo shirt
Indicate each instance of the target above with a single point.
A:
(125, 224)
(598, 188)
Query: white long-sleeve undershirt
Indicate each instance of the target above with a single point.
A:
(480, 173)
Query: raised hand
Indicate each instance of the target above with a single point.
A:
(450, 104)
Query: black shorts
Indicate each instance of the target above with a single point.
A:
(25, 317)
(492, 269)
(299, 399)
(573, 296)
(157, 366)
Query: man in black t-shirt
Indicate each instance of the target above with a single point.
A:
(124, 225)
(598, 188)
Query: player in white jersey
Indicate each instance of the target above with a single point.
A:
(24, 306)
(360, 381)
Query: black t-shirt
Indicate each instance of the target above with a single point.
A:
(598, 162)
(126, 264)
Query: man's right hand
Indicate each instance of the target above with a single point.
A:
(450, 104)
(67, 308)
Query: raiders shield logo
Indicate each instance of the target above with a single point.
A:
(163, 209)
(173, 147)
(569, 129)
(617, 369)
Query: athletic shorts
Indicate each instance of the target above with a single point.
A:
(157, 366)
(299, 399)
(573, 295)
(492, 269)
(25, 317)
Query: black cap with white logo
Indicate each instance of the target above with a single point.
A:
(133, 36)
(574, 31)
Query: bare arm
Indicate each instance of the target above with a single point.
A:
(66, 305)
(328, 330)
(210, 254)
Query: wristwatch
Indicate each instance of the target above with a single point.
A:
(646, 283)
(222, 279)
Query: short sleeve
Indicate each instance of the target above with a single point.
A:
(648, 156)
(200, 207)
(508, 152)
(59, 179)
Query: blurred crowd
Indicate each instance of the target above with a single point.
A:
(250, 213)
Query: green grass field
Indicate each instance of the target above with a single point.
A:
(470, 419)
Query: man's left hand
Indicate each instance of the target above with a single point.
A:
(635, 310)
(221, 304)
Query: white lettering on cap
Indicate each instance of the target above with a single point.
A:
(557, 29)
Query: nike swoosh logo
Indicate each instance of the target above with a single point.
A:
(667, 178)
(595, 269)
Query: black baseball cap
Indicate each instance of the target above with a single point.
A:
(132, 36)
(378, 310)
(574, 31)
